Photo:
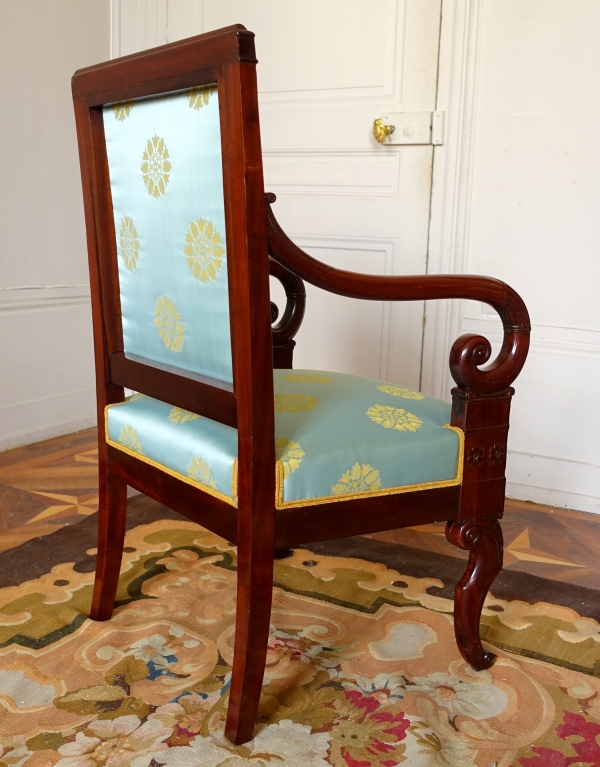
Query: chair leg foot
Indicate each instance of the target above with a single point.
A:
(482, 537)
(111, 535)
(253, 616)
(283, 552)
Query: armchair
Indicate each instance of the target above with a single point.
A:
(181, 240)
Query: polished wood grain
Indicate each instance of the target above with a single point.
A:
(200, 394)
(46, 486)
(481, 399)
(360, 516)
(111, 537)
(482, 537)
(288, 326)
(204, 509)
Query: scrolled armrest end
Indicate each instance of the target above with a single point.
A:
(470, 351)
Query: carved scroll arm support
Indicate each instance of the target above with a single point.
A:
(470, 351)
(293, 314)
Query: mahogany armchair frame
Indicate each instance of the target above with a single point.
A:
(481, 400)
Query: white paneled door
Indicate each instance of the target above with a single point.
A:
(327, 69)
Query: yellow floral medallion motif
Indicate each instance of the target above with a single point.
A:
(199, 97)
(204, 250)
(361, 478)
(399, 391)
(122, 110)
(156, 166)
(292, 403)
(129, 243)
(200, 471)
(290, 454)
(394, 418)
(179, 415)
(169, 324)
(129, 438)
(308, 378)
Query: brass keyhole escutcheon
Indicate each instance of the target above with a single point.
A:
(381, 130)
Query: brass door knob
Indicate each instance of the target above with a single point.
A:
(381, 130)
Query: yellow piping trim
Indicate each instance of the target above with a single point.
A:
(165, 469)
(279, 476)
(234, 481)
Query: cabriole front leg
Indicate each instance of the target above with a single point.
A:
(482, 538)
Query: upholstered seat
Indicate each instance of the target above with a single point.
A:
(337, 436)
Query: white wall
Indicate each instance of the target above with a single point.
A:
(47, 381)
(517, 196)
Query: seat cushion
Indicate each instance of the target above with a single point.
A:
(337, 436)
(340, 436)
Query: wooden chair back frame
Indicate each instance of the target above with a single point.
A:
(256, 245)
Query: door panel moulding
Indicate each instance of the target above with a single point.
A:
(358, 174)
(25, 299)
(372, 255)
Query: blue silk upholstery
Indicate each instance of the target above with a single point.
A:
(337, 436)
(195, 449)
(164, 157)
(340, 436)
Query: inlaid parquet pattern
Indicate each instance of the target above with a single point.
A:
(559, 544)
(46, 486)
(55, 483)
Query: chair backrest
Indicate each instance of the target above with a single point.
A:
(166, 180)
(171, 165)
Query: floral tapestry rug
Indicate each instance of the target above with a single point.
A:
(362, 667)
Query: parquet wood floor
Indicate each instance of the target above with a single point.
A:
(46, 486)
(55, 483)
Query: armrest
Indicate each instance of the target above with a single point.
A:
(470, 351)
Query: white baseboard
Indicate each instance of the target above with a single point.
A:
(37, 420)
(553, 481)
(48, 385)
(555, 498)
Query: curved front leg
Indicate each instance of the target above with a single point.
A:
(482, 537)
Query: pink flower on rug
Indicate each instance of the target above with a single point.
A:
(367, 733)
(546, 757)
(290, 659)
(587, 750)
